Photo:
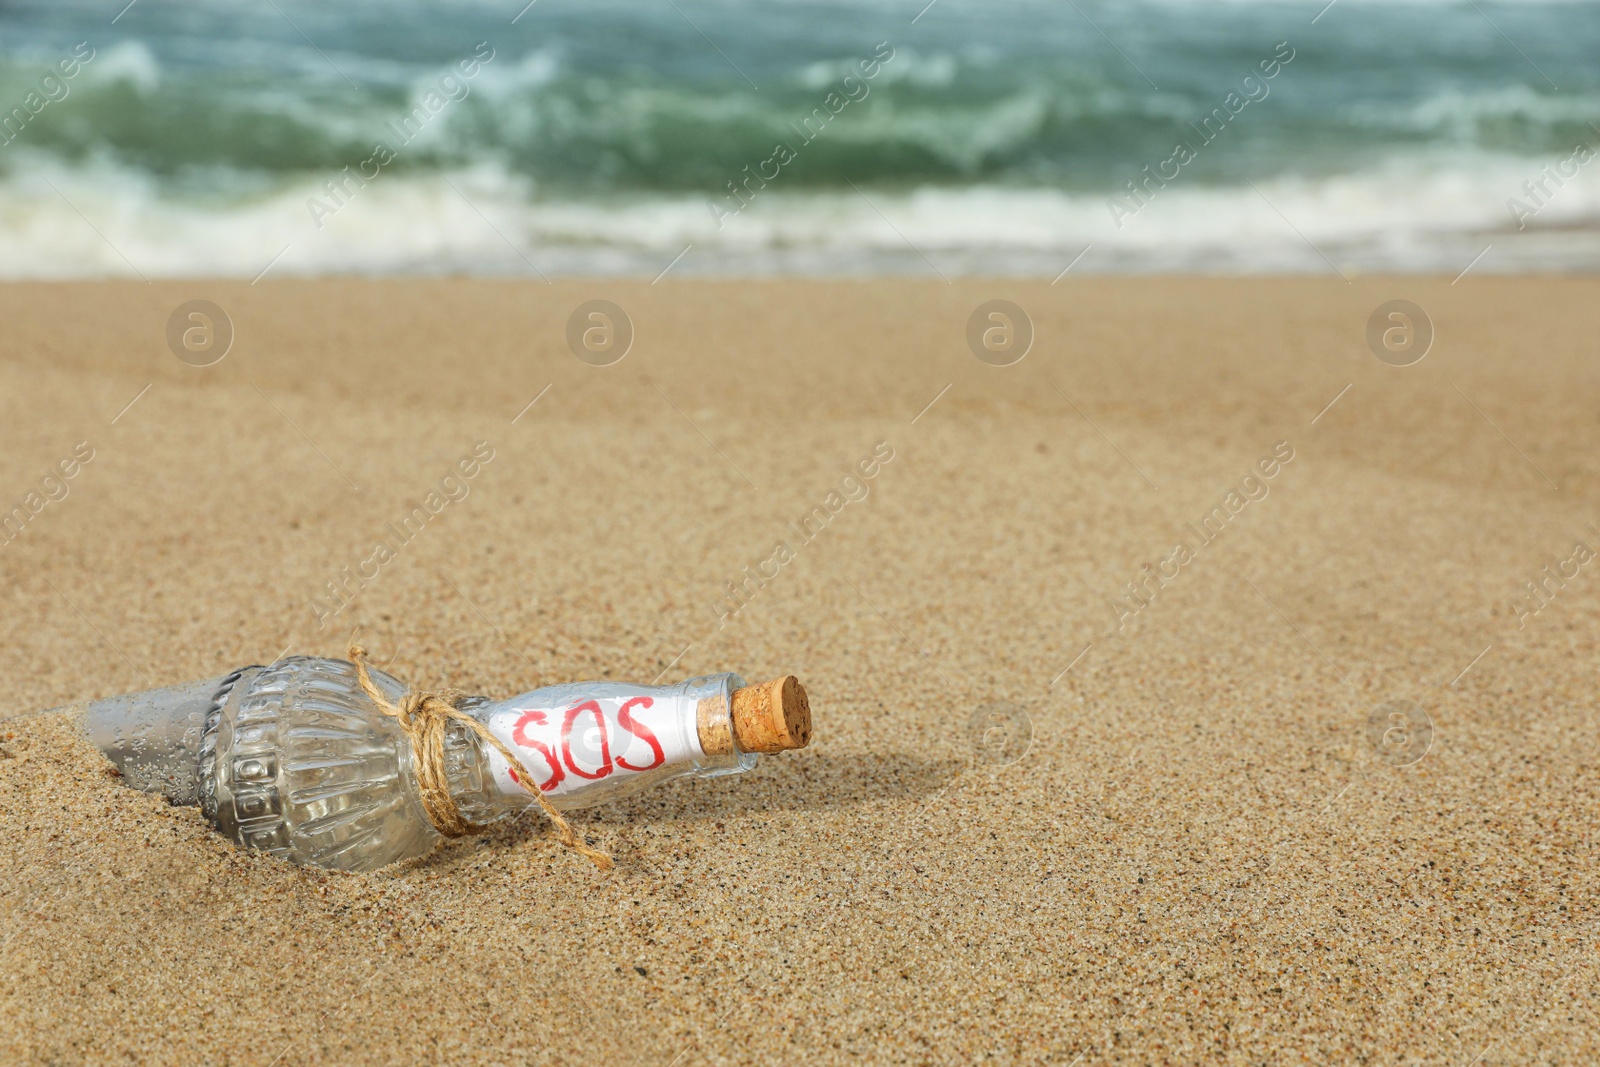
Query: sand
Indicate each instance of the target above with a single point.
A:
(1200, 857)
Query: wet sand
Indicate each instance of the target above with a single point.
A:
(1191, 847)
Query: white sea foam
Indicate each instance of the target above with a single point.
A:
(1416, 214)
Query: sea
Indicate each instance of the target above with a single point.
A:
(749, 138)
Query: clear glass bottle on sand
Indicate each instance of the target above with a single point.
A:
(295, 758)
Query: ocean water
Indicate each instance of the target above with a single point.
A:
(739, 137)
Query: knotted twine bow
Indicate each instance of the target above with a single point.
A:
(423, 715)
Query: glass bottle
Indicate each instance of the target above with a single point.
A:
(295, 760)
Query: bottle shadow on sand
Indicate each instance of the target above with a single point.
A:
(801, 782)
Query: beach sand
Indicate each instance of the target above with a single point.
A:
(1202, 856)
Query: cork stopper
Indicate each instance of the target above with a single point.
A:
(771, 717)
(716, 727)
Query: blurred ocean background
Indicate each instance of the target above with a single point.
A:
(200, 137)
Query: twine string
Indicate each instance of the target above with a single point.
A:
(423, 715)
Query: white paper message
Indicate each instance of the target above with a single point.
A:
(582, 743)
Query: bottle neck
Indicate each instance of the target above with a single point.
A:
(588, 742)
